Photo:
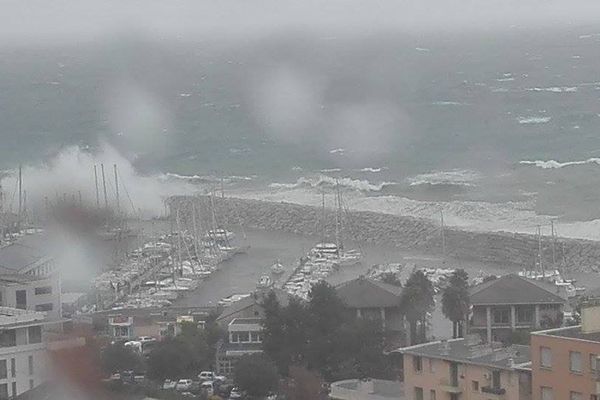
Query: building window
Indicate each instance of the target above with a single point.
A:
(44, 307)
(432, 394)
(547, 393)
(418, 365)
(43, 290)
(432, 365)
(3, 371)
(21, 296)
(418, 393)
(576, 396)
(13, 367)
(593, 362)
(30, 359)
(475, 386)
(8, 338)
(545, 357)
(255, 337)
(4, 391)
(35, 334)
(525, 315)
(496, 379)
(14, 389)
(502, 316)
(575, 364)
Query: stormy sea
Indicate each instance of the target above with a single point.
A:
(496, 131)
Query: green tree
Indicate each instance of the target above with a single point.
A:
(416, 302)
(455, 301)
(256, 374)
(274, 339)
(172, 358)
(117, 357)
(196, 340)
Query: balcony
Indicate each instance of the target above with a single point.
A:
(493, 393)
(446, 386)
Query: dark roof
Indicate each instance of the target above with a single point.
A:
(246, 321)
(367, 293)
(572, 332)
(460, 350)
(255, 299)
(513, 289)
(23, 253)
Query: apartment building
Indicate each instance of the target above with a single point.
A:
(23, 355)
(32, 292)
(466, 369)
(513, 303)
(565, 363)
(244, 336)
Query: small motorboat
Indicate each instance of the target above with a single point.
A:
(264, 282)
(277, 268)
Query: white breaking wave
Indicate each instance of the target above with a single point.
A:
(370, 169)
(533, 120)
(555, 89)
(422, 49)
(337, 151)
(207, 178)
(460, 177)
(328, 181)
(553, 164)
(327, 170)
(510, 79)
(448, 103)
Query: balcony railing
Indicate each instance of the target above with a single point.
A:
(493, 390)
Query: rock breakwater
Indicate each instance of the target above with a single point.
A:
(504, 248)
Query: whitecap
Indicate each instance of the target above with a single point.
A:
(553, 164)
(370, 169)
(185, 94)
(422, 49)
(337, 151)
(533, 120)
(447, 103)
(554, 89)
(321, 181)
(327, 170)
(510, 79)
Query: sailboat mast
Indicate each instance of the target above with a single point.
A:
(20, 197)
(553, 244)
(323, 216)
(104, 186)
(96, 182)
(117, 189)
(540, 251)
(443, 235)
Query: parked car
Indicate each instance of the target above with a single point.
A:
(235, 394)
(208, 387)
(169, 384)
(271, 396)
(183, 385)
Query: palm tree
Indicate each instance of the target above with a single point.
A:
(416, 302)
(455, 301)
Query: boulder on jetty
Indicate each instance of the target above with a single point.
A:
(504, 248)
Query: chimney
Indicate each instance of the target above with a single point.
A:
(590, 316)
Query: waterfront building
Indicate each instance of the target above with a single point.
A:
(374, 300)
(466, 369)
(565, 361)
(251, 306)
(244, 336)
(512, 303)
(23, 351)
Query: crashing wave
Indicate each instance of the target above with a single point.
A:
(553, 164)
(322, 181)
(370, 169)
(457, 177)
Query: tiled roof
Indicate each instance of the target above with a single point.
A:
(513, 289)
(460, 350)
(255, 298)
(369, 293)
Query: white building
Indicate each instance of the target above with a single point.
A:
(31, 292)
(23, 351)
